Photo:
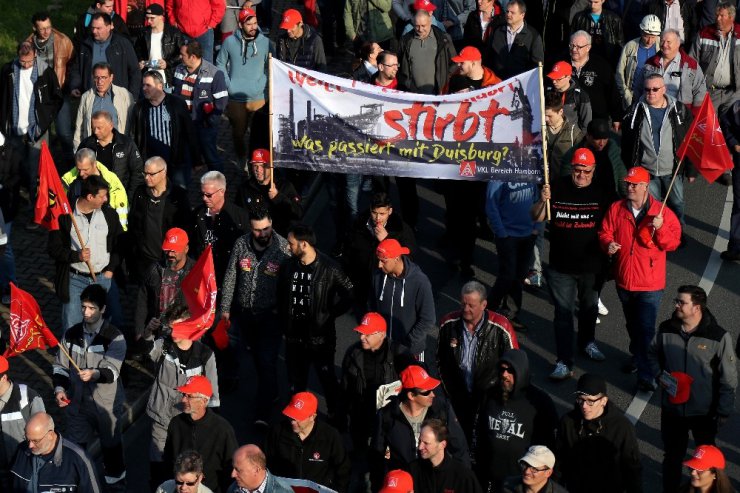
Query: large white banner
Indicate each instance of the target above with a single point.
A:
(326, 123)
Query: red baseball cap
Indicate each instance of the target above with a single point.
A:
(683, 387)
(583, 157)
(416, 377)
(397, 481)
(390, 248)
(302, 406)
(4, 365)
(175, 239)
(245, 14)
(371, 323)
(424, 5)
(560, 70)
(706, 457)
(260, 156)
(197, 384)
(291, 17)
(638, 174)
(468, 54)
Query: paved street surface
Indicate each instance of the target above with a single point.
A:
(697, 263)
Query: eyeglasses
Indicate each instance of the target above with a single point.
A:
(209, 195)
(577, 47)
(653, 89)
(425, 393)
(506, 369)
(580, 401)
(524, 466)
(583, 171)
(187, 483)
(38, 440)
(680, 302)
(152, 173)
(632, 185)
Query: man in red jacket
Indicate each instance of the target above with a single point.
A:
(197, 19)
(637, 232)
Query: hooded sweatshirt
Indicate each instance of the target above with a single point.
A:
(407, 304)
(508, 426)
(244, 61)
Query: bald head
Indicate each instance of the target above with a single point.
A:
(40, 434)
(250, 467)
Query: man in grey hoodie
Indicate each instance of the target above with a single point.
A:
(402, 294)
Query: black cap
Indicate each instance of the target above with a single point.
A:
(155, 9)
(598, 128)
(590, 384)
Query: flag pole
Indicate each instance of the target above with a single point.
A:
(269, 123)
(61, 347)
(543, 132)
(670, 187)
(79, 238)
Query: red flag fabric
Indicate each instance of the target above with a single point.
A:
(27, 327)
(705, 145)
(51, 201)
(120, 7)
(199, 289)
(220, 334)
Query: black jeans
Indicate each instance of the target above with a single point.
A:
(674, 431)
(514, 254)
(300, 356)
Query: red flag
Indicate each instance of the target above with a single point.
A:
(51, 201)
(220, 334)
(27, 327)
(705, 145)
(199, 289)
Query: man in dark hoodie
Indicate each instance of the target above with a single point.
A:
(597, 444)
(514, 415)
(399, 423)
(695, 351)
(402, 293)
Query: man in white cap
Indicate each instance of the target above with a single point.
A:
(537, 467)
(634, 55)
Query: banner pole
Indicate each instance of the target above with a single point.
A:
(79, 237)
(670, 187)
(61, 347)
(545, 167)
(269, 123)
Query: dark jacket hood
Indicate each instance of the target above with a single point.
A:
(520, 363)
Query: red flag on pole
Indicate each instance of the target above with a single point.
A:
(705, 145)
(199, 289)
(27, 327)
(51, 201)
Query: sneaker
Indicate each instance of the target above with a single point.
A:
(32, 226)
(603, 310)
(593, 352)
(534, 278)
(630, 366)
(561, 372)
(646, 385)
(598, 320)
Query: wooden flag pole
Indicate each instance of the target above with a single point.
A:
(269, 123)
(71, 361)
(545, 167)
(79, 237)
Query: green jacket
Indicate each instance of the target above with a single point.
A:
(369, 20)
(117, 196)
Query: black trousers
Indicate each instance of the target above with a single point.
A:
(300, 357)
(674, 431)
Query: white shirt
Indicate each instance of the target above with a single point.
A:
(510, 35)
(25, 92)
(155, 52)
(671, 80)
(673, 19)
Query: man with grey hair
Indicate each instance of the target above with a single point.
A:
(188, 471)
(250, 472)
(471, 341)
(683, 77)
(42, 440)
(218, 222)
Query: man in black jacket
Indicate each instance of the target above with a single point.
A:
(300, 44)
(155, 207)
(25, 128)
(597, 444)
(83, 27)
(268, 189)
(176, 143)
(117, 51)
(514, 415)
(312, 292)
(437, 471)
(116, 151)
(170, 41)
(303, 448)
(101, 231)
(508, 59)
(471, 342)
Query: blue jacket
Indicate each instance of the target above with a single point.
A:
(507, 208)
(245, 65)
(68, 469)
(210, 87)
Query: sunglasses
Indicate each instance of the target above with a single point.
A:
(506, 369)
(425, 393)
(186, 483)
(653, 89)
(209, 195)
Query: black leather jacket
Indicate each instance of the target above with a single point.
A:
(172, 40)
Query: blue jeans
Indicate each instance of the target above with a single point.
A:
(658, 188)
(206, 42)
(564, 289)
(7, 262)
(640, 314)
(354, 182)
(71, 311)
(207, 137)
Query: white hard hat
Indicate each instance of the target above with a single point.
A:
(650, 24)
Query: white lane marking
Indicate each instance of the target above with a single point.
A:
(639, 402)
